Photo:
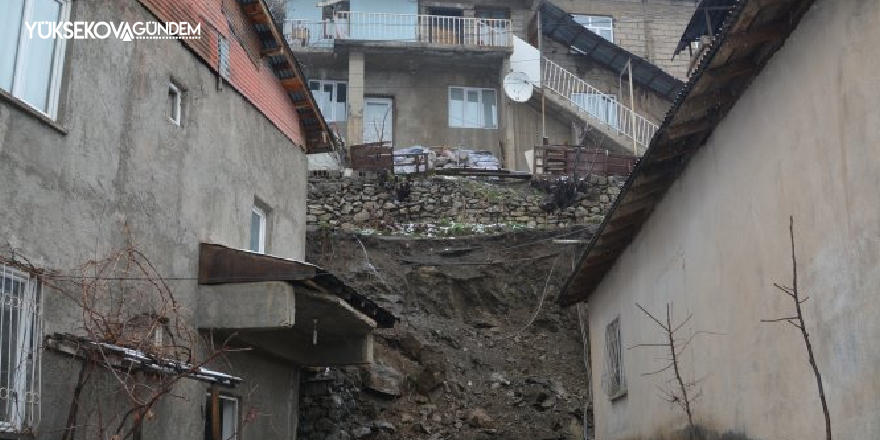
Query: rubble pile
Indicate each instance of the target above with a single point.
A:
(466, 361)
(443, 158)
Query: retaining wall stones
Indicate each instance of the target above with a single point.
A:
(446, 206)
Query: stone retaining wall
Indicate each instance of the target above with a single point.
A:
(442, 206)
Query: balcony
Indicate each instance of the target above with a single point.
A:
(432, 30)
(289, 309)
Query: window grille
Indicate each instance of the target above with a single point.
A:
(613, 380)
(20, 330)
(224, 65)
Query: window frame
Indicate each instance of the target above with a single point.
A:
(481, 125)
(594, 28)
(236, 410)
(333, 104)
(25, 382)
(261, 239)
(57, 68)
(613, 376)
(178, 104)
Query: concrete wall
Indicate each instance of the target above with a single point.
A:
(119, 160)
(719, 239)
(648, 28)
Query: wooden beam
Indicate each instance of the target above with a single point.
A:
(765, 33)
(292, 83)
(733, 70)
(271, 52)
(681, 130)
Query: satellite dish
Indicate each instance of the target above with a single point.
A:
(518, 87)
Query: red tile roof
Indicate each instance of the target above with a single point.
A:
(251, 75)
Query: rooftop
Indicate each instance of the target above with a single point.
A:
(752, 31)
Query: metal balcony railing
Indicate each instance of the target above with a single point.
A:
(404, 28)
(604, 107)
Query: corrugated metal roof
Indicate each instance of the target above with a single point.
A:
(752, 32)
(561, 27)
(708, 19)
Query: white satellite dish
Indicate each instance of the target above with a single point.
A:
(518, 87)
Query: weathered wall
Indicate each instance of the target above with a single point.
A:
(648, 28)
(118, 160)
(719, 239)
(355, 203)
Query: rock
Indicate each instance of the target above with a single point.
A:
(383, 380)
(411, 347)
(384, 426)
(362, 216)
(549, 402)
(478, 418)
(361, 432)
(497, 378)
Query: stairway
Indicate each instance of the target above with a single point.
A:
(603, 112)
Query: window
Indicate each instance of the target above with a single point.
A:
(228, 418)
(613, 381)
(602, 25)
(332, 97)
(175, 103)
(601, 106)
(20, 330)
(473, 108)
(258, 230)
(223, 64)
(30, 66)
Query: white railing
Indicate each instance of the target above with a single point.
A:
(20, 349)
(604, 107)
(310, 33)
(405, 28)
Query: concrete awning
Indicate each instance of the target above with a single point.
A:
(287, 308)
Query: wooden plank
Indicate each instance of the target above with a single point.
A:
(681, 130)
(732, 70)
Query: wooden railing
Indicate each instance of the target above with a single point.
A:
(565, 160)
(377, 156)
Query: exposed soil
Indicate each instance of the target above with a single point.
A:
(470, 357)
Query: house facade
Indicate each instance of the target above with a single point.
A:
(702, 226)
(431, 73)
(188, 153)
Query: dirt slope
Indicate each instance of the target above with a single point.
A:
(470, 358)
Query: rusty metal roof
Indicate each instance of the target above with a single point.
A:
(220, 264)
(288, 70)
(752, 32)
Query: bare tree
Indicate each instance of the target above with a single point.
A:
(135, 340)
(798, 321)
(677, 390)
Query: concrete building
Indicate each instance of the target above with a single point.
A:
(430, 73)
(703, 225)
(192, 147)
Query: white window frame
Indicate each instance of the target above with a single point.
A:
(613, 376)
(331, 115)
(587, 21)
(261, 239)
(236, 402)
(481, 122)
(177, 117)
(25, 380)
(20, 73)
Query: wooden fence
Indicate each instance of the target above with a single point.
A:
(380, 157)
(565, 160)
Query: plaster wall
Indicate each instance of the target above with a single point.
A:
(115, 159)
(719, 239)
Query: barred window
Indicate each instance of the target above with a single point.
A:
(20, 330)
(613, 380)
